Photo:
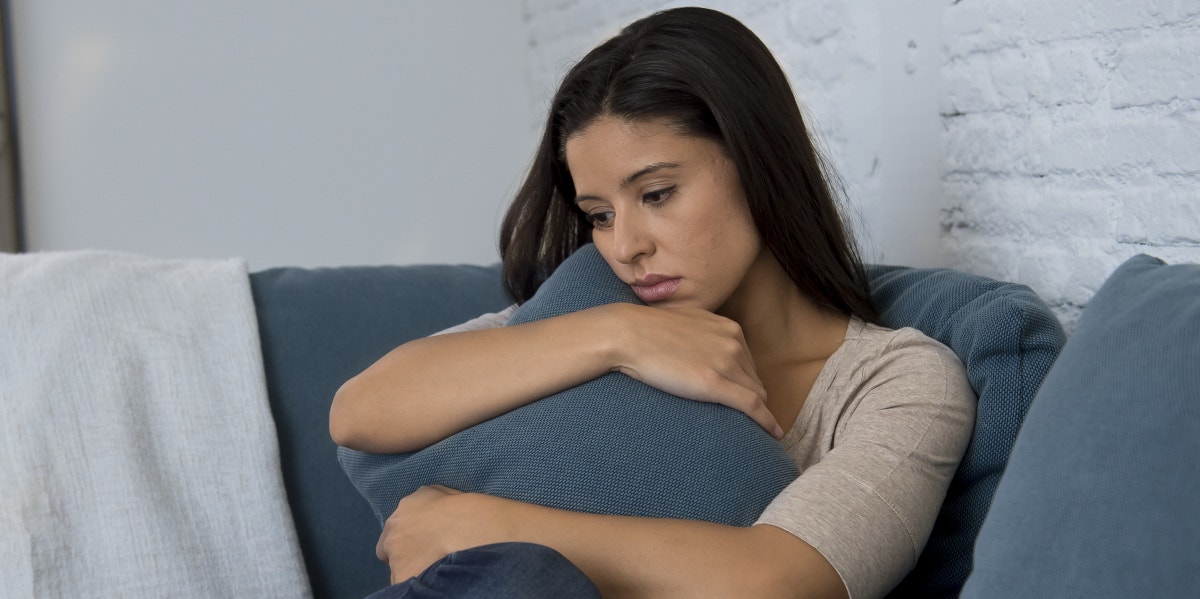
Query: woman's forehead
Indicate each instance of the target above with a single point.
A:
(625, 144)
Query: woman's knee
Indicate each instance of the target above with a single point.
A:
(528, 570)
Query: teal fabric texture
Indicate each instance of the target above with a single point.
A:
(612, 445)
(1101, 498)
(319, 327)
(1007, 338)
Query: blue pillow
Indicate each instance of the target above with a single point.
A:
(612, 445)
(1007, 338)
(1102, 493)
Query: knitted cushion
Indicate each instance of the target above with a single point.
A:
(1100, 496)
(1007, 337)
(612, 445)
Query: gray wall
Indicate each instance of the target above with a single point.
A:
(1036, 142)
(9, 241)
(288, 132)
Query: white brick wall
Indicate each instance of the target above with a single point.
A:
(1070, 130)
(1072, 139)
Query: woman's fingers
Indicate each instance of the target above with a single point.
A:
(749, 398)
(413, 536)
(697, 355)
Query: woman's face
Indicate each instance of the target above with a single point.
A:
(667, 210)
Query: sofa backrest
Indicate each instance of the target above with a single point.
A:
(318, 328)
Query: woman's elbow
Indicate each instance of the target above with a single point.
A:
(354, 421)
(358, 421)
(343, 427)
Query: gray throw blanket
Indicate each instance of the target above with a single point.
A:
(138, 456)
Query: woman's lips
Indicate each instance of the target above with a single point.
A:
(655, 288)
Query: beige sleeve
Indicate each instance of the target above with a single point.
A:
(492, 320)
(869, 504)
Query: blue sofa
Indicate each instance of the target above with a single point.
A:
(1098, 498)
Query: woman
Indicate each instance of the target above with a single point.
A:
(677, 147)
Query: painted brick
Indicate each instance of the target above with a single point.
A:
(1088, 141)
(965, 89)
(1034, 208)
(989, 25)
(820, 63)
(1021, 78)
(1015, 73)
(1065, 19)
(1072, 74)
(770, 25)
(1158, 214)
(1157, 69)
(989, 142)
(1067, 274)
(849, 126)
(987, 256)
(814, 22)
(972, 27)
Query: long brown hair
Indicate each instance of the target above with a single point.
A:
(708, 75)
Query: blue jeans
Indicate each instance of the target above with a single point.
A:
(517, 570)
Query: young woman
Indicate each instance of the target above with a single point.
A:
(677, 147)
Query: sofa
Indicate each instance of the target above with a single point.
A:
(1098, 499)
(1080, 479)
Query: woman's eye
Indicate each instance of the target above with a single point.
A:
(600, 219)
(658, 196)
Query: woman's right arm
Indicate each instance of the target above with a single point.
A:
(431, 388)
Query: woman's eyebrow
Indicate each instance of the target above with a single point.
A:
(657, 166)
(627, 181)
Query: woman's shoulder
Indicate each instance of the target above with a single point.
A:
(900, 358)
(897, 346)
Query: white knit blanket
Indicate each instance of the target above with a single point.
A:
(138, 456)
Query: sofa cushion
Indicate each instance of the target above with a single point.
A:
(318, 328)
(1007, 338)
(612, 445)
(1100, 498)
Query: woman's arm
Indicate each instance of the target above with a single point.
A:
(427, 389)
(431, 388)
(624, 556)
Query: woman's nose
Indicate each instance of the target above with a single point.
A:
(631, 239)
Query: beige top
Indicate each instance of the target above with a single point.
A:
(877, 441)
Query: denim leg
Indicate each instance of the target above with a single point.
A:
(518, 570)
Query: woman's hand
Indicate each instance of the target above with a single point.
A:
(691, 353)
(434, 522)
(622, 555)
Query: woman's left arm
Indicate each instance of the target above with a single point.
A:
(624, 556)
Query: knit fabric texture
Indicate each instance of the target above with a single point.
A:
(612, 445)
(1007, 338)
